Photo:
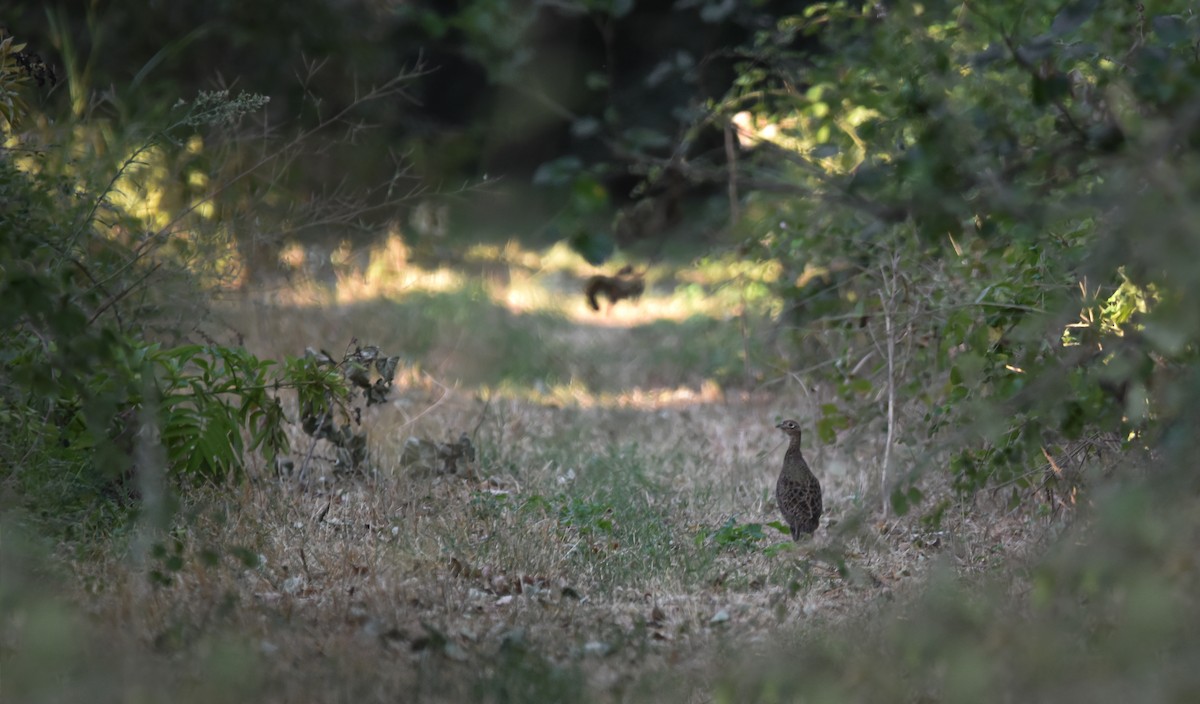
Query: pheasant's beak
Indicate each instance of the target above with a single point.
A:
(779, 425)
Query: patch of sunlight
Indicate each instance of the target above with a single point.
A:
(197, 179)
(204, 208)
(858, 114)
(711, 271)
(525, 280)
(483, 252)
(552, 281)
(292, 256)
(387, 273)
(511, 253)
(646, 310)
(390, 256)
(523, 293)
(808, 131)
(352, 288)
(558, 257)
(139, 190)
(575, 394)
(713, 287)
(390, 271)
(811, 273)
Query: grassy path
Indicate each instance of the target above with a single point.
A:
(612, 540)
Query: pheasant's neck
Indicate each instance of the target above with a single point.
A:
(794, 446)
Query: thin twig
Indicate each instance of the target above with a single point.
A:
(445, 393)
(731, 162)
(113, 300)
(889, 280)
(482, 417)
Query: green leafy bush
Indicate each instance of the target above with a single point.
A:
(93, 283)
(961, 182)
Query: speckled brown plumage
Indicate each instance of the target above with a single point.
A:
(797, 492)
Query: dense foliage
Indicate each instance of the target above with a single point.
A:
(983, 220)
(101, 404)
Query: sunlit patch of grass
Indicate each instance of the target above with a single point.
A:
(525, 280)
(557, 257)
(408, 279)
(465, 336)
(574, 393)
(653, 306)
(388, 273)
(523, 292)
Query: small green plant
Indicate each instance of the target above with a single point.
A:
(210, 396)
(744, 537)
(491, 506)
(732, 534)
(587, 517)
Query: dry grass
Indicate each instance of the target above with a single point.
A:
(569, 561)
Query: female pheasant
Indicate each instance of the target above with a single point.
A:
(797, 492)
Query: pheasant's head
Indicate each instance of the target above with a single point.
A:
(790, 427)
